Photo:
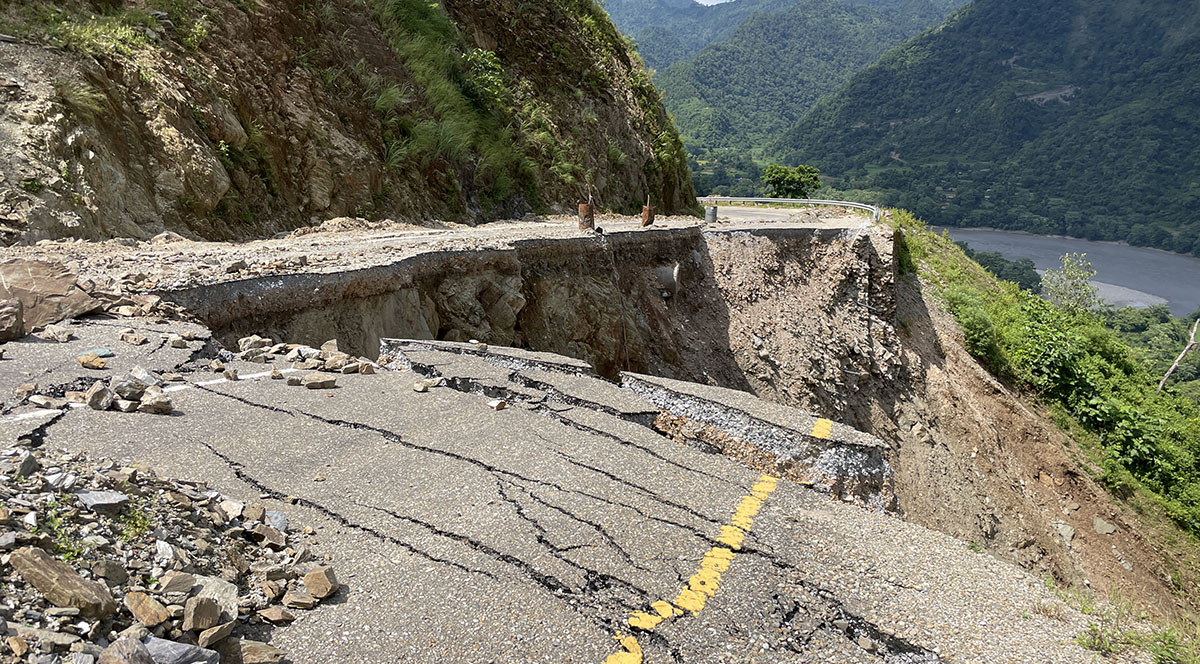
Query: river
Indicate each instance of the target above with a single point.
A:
(1125, 275)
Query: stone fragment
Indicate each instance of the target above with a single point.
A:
(221, 590)
(43, 401)
(216, 366)
(62, 481)
(147, 377)
(271, 590)
(99, 397)
(299, 599)
(254, 512)
(17, 645)
(316, 381)
(1065, 531)
(156, 403)
(109, 502)
(176, 341)
(61, 585)
(231, 374)
(12, 320)
(145, 608)
(126, 650)
(1103, 527)
(230, 509)
(175, 583)
(128, 387)
(163, 651)
(111, 571)
(276, 374)
(27, 465)
(133, 338)
(267, 535)
(200, 613)
(277, 615)
(321, 582)
(236, 266)
(56, 333)
(126, 406)
(214, 634)
(497, 404)
(293, 381)
(330, 346)
(277, 520)
(253, 342)
(257, 652)
(91, 361)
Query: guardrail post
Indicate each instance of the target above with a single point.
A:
(710, 214)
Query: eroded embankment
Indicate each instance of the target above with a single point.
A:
(811, 318)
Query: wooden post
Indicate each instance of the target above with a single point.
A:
(647, 213)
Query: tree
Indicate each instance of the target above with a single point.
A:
(1190, 345)
(784, 182)
(1070, 286)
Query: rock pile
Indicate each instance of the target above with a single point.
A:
(327, 359)
(109, 563)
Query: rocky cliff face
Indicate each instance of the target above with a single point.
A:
(231, 120)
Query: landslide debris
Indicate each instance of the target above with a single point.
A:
(101, 560)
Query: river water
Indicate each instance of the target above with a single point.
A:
(1125, 275)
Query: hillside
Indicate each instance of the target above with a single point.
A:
(667, 31)
(1075, 118)
(229, 120)
(744, 90)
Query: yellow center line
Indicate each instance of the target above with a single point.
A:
(705, 582)
(822, 428)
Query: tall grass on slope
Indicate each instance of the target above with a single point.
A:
(1072, 362)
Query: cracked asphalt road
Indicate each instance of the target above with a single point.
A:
(533, 533)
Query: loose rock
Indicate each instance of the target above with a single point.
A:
(321, 582)
(316, 381)
(61, 585)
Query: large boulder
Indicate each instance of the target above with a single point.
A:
(48, 292)
(61, 585)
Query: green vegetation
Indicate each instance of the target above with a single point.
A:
(736, 74)
(784, 182)
(1075, 118)
(1146, 441)
(743, 91)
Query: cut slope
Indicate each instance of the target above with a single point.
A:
(233, 120)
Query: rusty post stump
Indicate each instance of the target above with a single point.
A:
(647, 215)
(587, 216)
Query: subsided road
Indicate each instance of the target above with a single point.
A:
(546, 531)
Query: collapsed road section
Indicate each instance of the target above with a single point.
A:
(483, 503)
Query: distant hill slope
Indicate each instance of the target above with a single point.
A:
(231, 119)
(743, 91)
(1075, 117)
(668, 31)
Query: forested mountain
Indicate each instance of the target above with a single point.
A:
(667, 31)
(744, 91)
(1075, 117)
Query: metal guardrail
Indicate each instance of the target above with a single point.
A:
(876, 213)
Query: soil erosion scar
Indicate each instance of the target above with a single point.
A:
(707, 579)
